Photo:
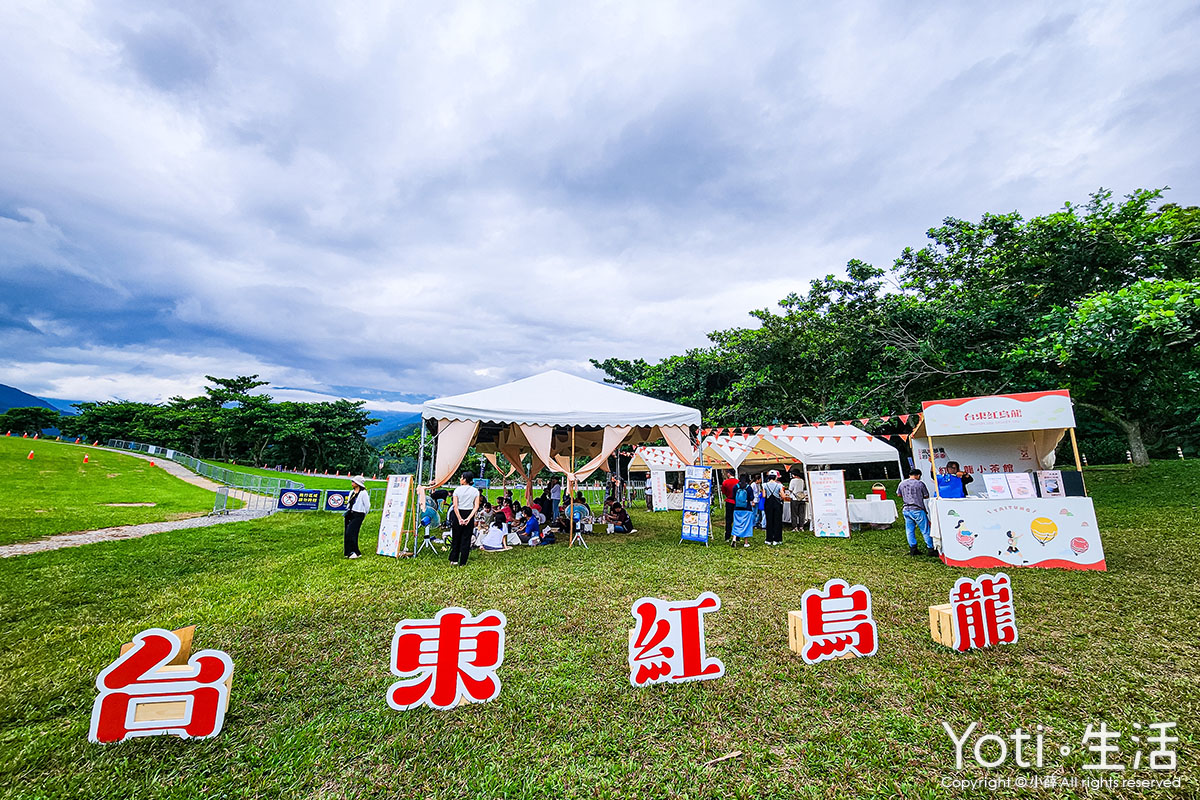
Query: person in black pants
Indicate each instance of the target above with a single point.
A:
(773, 508)
(357, 506)
(464, 505)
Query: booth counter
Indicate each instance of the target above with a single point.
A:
(1020, 511)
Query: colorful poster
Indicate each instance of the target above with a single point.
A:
(336, 499)
(658, 490)
(395, 506)
(697, 503)
(827, 494)
(1021, 485)
(1050, 482)
(298, 500)
(997, 487)
(1048, 532)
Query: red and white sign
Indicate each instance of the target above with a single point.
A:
(982, 612)
(837, 621)
(447, 659)
(191, 699)
(667, 643)
(1031, 411)
(1053, 532)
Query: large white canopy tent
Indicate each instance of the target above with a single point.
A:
(554, 419)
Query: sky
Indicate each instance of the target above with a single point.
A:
(395, 201)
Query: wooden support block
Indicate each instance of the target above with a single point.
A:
(941, 624)
(185, 645)
(796, 640)
(172, 709)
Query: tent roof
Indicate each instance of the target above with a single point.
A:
(739, 450)
(839, 444)
(656, 458)
(556, 398)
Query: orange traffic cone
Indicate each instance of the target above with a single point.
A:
(76, 440)
(36, 435)
(24, 435)
(30, 456)
(152, 463)
(96, 444)
(85, 458)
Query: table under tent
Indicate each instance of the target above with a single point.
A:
(553, 421)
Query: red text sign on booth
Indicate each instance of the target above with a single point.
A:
(143, 694)
(446, 660)
(667, 643)
(983, 613)
(837, 622)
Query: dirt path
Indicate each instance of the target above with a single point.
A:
(120, 532)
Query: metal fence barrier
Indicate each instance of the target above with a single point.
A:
(232, 478)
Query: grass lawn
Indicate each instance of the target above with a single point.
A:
(56, 492)
(310, 637)
(309, 481)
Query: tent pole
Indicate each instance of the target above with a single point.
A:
(421, 457)
(571, 494)
(1078, 465)
(932, 468)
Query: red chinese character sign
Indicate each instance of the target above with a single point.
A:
(147, 691)
(836, 622)
(982, 612)
(446, 660)
(666, 644)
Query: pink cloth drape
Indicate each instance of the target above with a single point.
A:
(454, 437)
(540, 438)
(680, 441)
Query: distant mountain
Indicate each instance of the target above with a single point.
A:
(65, 406)
(11, 397)
(392, 426)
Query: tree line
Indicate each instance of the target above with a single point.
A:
(227, 423)
(1102, 299)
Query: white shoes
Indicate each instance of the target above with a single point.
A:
(353, 555)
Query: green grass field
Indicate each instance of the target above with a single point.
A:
(56, 492)
(310, 636)
(309, 481)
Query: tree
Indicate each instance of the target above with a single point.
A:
(1129, 355)
(29, 419)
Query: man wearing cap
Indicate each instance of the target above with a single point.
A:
(357, 506)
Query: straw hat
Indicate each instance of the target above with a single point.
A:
(359, 480)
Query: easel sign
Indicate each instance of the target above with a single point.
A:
(697, 504)
(827, 493)
(395, 508)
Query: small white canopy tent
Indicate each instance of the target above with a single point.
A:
(825, 444)
(554, 418)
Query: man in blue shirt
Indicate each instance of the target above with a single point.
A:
(914, 493)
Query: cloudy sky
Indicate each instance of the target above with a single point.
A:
(392, 200)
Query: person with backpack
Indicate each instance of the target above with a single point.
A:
(743, 514)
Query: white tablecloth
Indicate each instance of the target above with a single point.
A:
(674, 502)
(875, 512)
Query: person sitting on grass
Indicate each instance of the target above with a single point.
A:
(506, 508)
(618, 519)
(581, 503)
(493, 541)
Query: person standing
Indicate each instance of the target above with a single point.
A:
(728, 488)
(799, 495)
(555, 499)
(914, 493)
(760, 519)
(464, 504)
(773, 508)
(357, 506)
(743, 513)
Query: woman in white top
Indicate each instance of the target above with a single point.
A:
(773, 508)
(494, 539)
(464, 504)
(799, 495)
(357, 506)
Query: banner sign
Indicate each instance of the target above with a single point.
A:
(1038, 532)
(658, 489)
(395, 506)
(482, 483)
(697, 503)
(336, 499)
(827, 493)
(1031, 411)
(299, 500)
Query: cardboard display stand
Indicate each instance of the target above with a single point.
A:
(395, 511)
(827, 496)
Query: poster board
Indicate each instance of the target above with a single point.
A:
(697, 504)
(1021, 485)
(1050, 483)
(658, 489)
(997, 487)
(1043, 532)
(395, 507)
(827, 494)
(298, 500)
(337, 499)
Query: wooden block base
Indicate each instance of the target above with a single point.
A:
(941, 624)
(796, 640)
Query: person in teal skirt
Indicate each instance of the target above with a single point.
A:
(744, 513)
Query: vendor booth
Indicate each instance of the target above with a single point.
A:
(813, 446)
(1018, 510)
(550, 421)
(659, 462)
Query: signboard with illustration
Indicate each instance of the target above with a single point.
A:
(827, 494)
(1048, 532)
(337, 499)
(658, 490)
(697, 503)
(395, 506)
(298, 500)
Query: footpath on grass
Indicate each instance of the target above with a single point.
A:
(77, 538)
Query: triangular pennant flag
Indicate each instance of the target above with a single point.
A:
(820, 438)
(884, 419)
(865, 420)
(887, 436)
(854, 438)
(870, 438)
(805, 438)
(837, 438)
(905, 436)
(904, 418)
(830, 424)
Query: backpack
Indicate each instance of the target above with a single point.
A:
(741, 499)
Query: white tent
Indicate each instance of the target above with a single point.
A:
(654, 459)
(554, 418)
(826, 444)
